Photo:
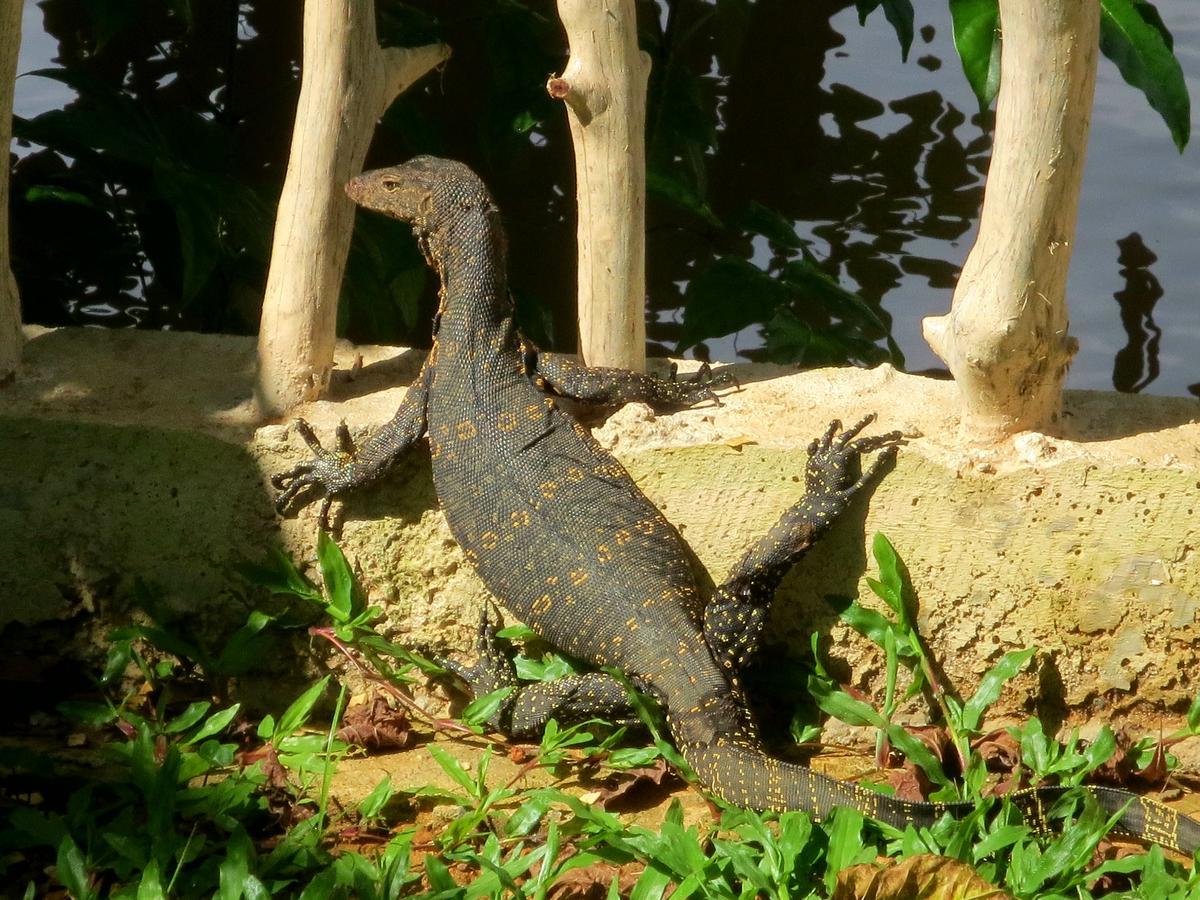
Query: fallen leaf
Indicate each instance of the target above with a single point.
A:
(592, 882)
(636, 786)
(923, 877)
(1000, 751)
(909, 782)
(375, 726)
(737, 443)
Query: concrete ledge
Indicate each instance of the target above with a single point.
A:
(137, 455)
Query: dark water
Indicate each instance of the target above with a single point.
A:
(1135, 184)
(886, 181)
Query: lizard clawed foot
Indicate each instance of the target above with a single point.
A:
(700, 385)
(323, 477)
(835, 458)
(492, 669)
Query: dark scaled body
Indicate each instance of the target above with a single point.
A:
(563, 537)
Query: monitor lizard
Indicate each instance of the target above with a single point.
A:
(564, 538)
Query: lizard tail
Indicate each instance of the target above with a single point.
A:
(743, 775)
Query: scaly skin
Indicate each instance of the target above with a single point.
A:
(560, 533)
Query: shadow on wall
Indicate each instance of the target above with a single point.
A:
(104, 525)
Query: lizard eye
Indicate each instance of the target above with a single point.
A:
(390, 185)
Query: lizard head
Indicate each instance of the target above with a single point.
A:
(427, 191)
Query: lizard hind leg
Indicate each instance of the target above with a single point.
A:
(567, 700)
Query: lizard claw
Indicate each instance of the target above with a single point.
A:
(835, 458)
(492, 669)
(323, 477)
(698, 386)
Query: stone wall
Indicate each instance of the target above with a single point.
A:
(137, 456)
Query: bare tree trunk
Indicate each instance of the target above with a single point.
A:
(1005, 339)
(604, 87)
(348, 83)
(10, 302)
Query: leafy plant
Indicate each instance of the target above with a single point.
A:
(195, 802)
(1132, 34)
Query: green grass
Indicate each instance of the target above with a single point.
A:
(182, 795)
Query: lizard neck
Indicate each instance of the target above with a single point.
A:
(470, 257)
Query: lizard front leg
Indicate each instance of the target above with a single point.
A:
(735, 615)
(331, 473)
(610, 386)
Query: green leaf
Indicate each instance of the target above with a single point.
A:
(438, 875)
(771, 224)
(87, 713)
(297, 714)
(1193, 715)
(71, 870)
(150, 886)
(372, 805)
(198, 219)
(189, 717)
(339, 581)
(322, 886)
(676, 191)
(42, 192)
(215, 724)
(454, 769)
(235, 867)
(119, 655)
(244, 647)
(792, 341)
(890, 586)
(992, 684)
(1131, 35)
(527, 816)
(919, 753)
(846, 846)
(977, 40)
(870, 623)
(161, 638)
(279, 575)
(842, 706)
(480, 710)
(632, 757)
(517, 633)
(1004, 836)
(1100, 750)
(815, 285)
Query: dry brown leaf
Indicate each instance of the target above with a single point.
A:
(737, 443)
(923, 877)
(1000, 751)
(591, 882)
(908, 782)
(375, 726)
(636, 786)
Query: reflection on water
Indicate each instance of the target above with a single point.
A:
(1137, 363)
(878, 165)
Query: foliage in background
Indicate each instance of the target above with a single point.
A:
(1132, 35)
(772, 214)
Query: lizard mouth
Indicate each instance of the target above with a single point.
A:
(404, 192)
(356, 189)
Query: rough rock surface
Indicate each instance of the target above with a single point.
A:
(139, 455)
